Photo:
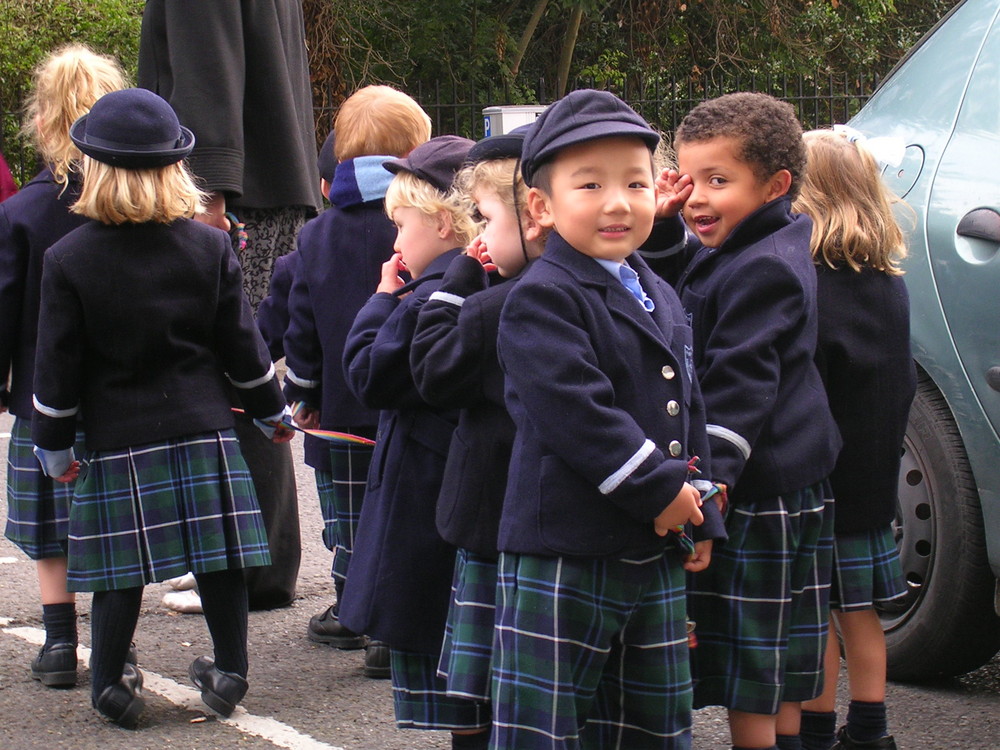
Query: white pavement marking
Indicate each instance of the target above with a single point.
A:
(8, 560)
(266, 728)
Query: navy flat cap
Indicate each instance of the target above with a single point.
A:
(326, 162)
(580, 116)
(435, 161)
(503, 146)
(132, 129)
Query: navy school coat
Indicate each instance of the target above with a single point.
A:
(399, 585)
(606, 407)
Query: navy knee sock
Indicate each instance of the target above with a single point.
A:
(113, 616)
(59, 621)
(789, 742)
(477, 741)
(224, 602)
(866, 721)
(818, 730)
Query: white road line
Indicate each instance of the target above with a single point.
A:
(266, 728)
(8, 560)
(4, 435)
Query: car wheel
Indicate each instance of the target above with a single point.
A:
(946, 625)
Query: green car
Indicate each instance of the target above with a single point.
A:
(943, 101)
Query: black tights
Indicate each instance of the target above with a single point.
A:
(114, 615)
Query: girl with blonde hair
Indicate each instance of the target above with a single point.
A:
(66, 84)
(143, 326)
(863, 355)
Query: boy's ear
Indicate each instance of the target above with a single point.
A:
(531, 229)
(540, 209)
(443, 224)
(778, 184)
(324, 187)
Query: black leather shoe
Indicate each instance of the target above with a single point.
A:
(326, 628)
(377, 661)
(122, 702)
(844, 742)
(220, 691)
(55, 666)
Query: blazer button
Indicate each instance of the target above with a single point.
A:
(674, 448)
(667, 372)
(673, 408)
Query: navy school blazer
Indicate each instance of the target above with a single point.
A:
(606, 407)
(399, 586)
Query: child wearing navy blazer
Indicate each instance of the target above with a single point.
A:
(142, 311)
(591, 646)
(341, 253)
(867, 368)
(399, 584)
(749, 285)
(66, 84)
(454, 363)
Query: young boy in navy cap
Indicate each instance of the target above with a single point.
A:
(591, 648)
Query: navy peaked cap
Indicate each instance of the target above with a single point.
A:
(435, 161)
(580, 116)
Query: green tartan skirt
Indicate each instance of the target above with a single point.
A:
(151, 512)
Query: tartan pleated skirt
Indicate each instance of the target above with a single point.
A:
(467, 650)
(151, 512)
(866, 570)
(37, 506)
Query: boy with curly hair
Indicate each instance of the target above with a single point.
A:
(749, 288)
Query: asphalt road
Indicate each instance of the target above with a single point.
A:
(307, 696)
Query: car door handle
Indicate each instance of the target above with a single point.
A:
(982, 224)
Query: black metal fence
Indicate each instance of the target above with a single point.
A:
(820, 100)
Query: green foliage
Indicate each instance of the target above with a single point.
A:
(30, 29)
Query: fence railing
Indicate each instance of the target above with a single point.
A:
(820, 100)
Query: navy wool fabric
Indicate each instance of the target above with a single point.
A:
(37, 506)
(156, 511)
(400, 565)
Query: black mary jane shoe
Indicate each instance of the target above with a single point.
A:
(122, 701)
(220, 691)
(55, 666)
(327, 628)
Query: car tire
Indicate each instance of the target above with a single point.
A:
(947, 625)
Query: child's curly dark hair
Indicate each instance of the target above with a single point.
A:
(767, 128)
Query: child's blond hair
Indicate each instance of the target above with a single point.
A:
(65, 86)
(113, 195)
(379, 121)
(408, 190)
(850, 206)
(500, 177)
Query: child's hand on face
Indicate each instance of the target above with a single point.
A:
(674, 190)
(685, 507)
(391, 280)
(477, 249)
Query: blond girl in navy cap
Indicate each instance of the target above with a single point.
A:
(143, 324)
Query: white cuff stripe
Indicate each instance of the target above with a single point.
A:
(452, 299)
(48, 411)
(623, 473)
(247, 385)
(702, 485)
(301, 382)
(735, 438)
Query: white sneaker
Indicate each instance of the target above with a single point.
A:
(182, 583)
(186, 602)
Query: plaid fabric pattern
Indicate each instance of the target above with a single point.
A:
(341, 491)
(421, 701)
(468, 634)
(37, 506)
(866, 570)
(152, 512)
(591, 653)
(762, 606)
